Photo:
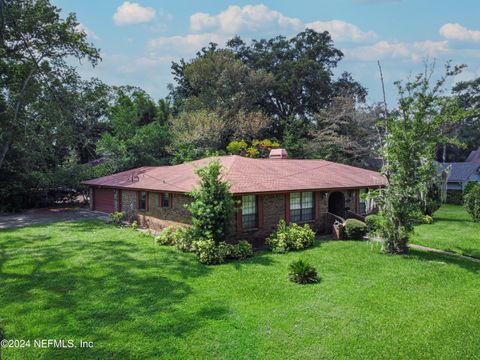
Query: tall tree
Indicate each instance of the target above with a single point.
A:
(34, 47)
(409, 151)
(302, 70)
(138, 130)
(36, 132)
(344, 133)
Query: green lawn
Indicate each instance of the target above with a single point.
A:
(453, 230)
(87, 280)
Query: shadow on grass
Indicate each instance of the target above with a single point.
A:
(104, 290)
(469, 265)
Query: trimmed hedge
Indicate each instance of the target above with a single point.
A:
(354, 229)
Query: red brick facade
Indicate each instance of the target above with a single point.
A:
(271, 208)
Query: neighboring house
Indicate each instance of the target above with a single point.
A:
(461, 173)
(474, 156)
(267, 190)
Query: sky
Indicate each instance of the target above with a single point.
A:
(139, 39)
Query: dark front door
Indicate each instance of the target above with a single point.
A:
(336, 204)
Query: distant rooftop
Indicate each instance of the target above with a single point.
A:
(461, 171)
(474, 156)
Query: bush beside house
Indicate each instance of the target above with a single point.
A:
(354, 229)
(290, 237)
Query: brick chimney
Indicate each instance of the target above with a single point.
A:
(278, 154)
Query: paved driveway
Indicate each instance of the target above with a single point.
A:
(43, 216)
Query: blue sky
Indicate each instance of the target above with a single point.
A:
(140, 38)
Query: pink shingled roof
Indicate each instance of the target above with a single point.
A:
(247, 175)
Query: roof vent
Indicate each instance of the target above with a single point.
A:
(278, 154)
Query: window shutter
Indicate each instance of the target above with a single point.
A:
(287, 208)
(260, 213)
(170, 200)
(146, 200)
(160, 200)
(138, 199)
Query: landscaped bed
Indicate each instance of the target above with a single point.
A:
(453, 230)
(135, 299)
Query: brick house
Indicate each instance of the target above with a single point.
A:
(267, 190)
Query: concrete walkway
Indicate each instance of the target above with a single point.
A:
(48, 215)
(434, 250)
(444, 252)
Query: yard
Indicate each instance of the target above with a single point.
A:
(453, 230)
(133, 299)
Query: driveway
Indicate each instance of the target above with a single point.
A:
(44, 216)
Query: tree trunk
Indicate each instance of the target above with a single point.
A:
(4, 150)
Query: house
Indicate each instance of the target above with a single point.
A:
(459, 174)
(474, 156)
(267, 190)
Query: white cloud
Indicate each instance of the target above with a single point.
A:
(454, 31)
(383, 49)
(342, 31)
(187, 44)
(90, 34)
(132, 13)
(247, 18)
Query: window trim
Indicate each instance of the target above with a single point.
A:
(160, 200)
(302, 209)
(255, 214)
(139, 200)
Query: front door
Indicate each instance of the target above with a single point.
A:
(336, 204)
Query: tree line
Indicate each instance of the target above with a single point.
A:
(58, 129)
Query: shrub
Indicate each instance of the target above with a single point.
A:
(167, 236)
(183, 240)
(290, 237)
(302, 272)
(116, 217)
(212, 206)
(472, 202)
(354, 229)
(470, 185)
(373, 222)
(427, 219)
(455, 197)
(241, 250)
(209, 252)
(134, 225)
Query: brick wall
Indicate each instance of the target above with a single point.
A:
(157, 217)
(273, 211)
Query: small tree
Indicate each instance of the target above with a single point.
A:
(213, 205)
(409, 148)
(472, 202)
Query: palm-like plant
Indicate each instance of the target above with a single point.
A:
(302, 272)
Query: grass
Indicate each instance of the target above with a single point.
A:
(136, 300)
(453, 230)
